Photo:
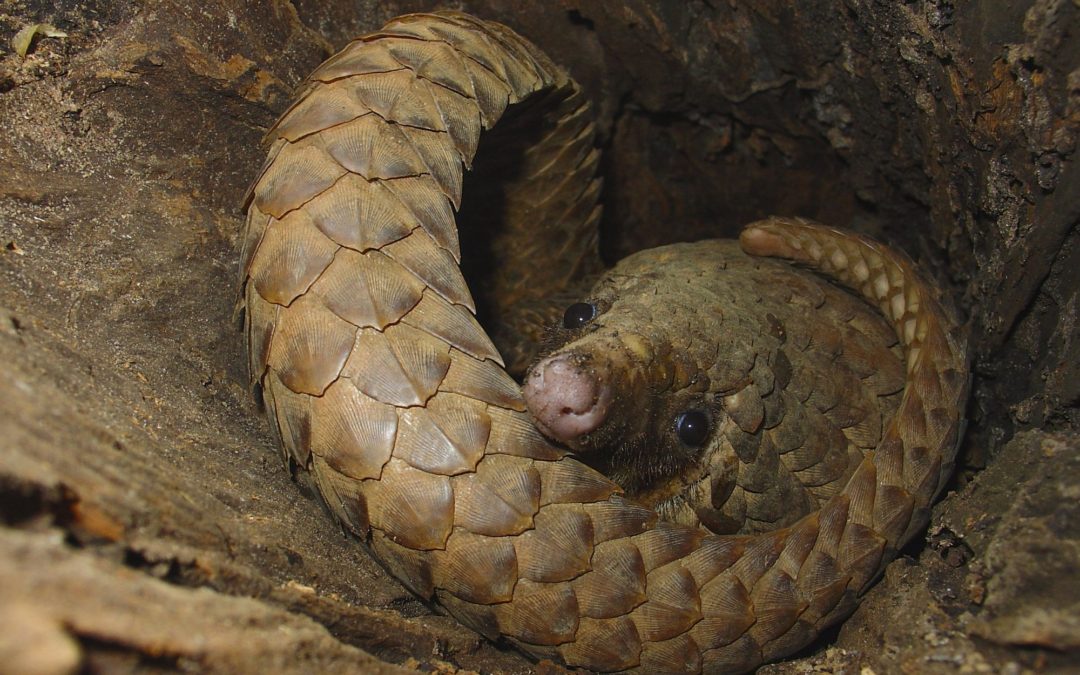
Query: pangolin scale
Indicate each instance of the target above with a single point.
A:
(362, 337)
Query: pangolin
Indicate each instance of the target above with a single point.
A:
(380, 382)
(719, 389)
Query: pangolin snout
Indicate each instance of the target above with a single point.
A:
(566, 397)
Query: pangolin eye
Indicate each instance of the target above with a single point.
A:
(578, 314)
(692, 427)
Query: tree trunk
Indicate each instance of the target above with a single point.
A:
(147, 523)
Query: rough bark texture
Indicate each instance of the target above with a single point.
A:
(135, 471)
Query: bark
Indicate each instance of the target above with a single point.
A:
(136, 473)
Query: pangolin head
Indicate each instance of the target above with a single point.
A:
(635, 374)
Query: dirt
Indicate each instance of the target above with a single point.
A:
(137, 474)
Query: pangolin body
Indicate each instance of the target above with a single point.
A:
(723, 390)
(379, 381)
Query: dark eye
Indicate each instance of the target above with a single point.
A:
(692, 427)
(578, 314)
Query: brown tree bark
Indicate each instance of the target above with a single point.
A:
(146, 522)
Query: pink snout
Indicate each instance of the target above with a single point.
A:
(566, 401)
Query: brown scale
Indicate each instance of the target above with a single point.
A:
(795, 377)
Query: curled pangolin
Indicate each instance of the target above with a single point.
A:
(719, 389)
(379, 381)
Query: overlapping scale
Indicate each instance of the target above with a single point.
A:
(430, 207)
(541, 613)
(255, 217)
(358, 58)
(342, 496)
(575, 123)
(798, 636)
(802, 536)
(889, 461)
(617, 518)
(266, 389)
(400, 366)
(570, 153)
(861, 491)
(616, 583)
(260, 321)
(293, 415)
(550, 188)
(821, 583)
(758, 556)
(301, 171)
(672, 605)
(680, 654)
(412, 25)
(478, 45)
(924, 480)
(479, 617)
(825, 394)
(727, 612)
(865, 427)
(581, 211)
(570, 201)
(435, 62)
(411, 566)
(373, 148)
(738, 656)
(834, 464)
(712, 556)
(477, 569)
(485, 381)
(413, 508)
(446, 437)
(760, 473)
(352, 433)
(254, 227)
(515, 63)
(666, 543)
(764, 509)
(361, 214)
(745, 408)
(860, 553)
(559, 547)
(513, 433)
(369, 290)
(292, 254)
(333, 104)
(492, 93)
(453, 324)
(815, 441)
(460, 116)
(776, 606)
(442, 161)
(832, 520)
(599, 605)
(397, 96)
(604, 644)
(745, 446)
(311, 346)
(433, 265)
(570, 481)
(499, 499)
(893, 508)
